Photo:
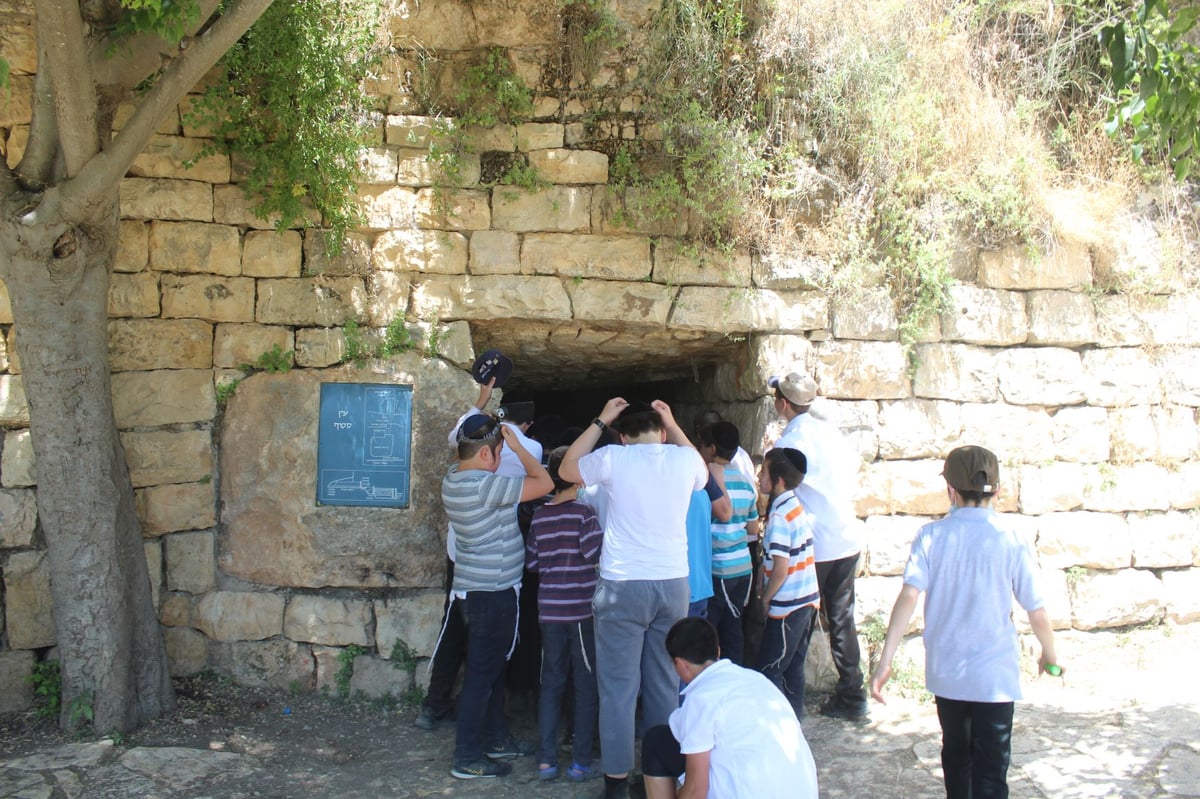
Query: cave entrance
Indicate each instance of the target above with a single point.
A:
(569, 371)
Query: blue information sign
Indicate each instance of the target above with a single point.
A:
(364, 445)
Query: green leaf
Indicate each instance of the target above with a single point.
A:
(1184, 22)
(1182, 168)
(1117, 54)
(1180, 147)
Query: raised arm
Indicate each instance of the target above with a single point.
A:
(537, 479)
(569, 468)
(675, 434)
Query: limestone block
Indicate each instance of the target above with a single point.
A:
(1041, 376)
(231, 206)
(153, 551)
(162, 198)
(374, 677)
(1080, 538)
(403, 130)
(143, 344)
(863, 370)
(133, 295)
(168, 396)
(271, 253)
(12, 149)
(546, 136)
(187, 651)
(1163, 540)
(18, 109)
(324, 620)
(17, 466)
(1173, 319)
(378, 165)
(793, 271)
(1061, 318)
(1185, 488)
(309, 302)
(416, 168)
(955, 372)
(1055, 486)
(382, 209)
(434, 251)
(453, 209)
(325, 662)
(1121, 321)
(20, 42)
(1180, 370)
(168, 124)
(235, 345)
(1138, 486)
(676, 264)
(28, 608)
(1081, 435)
(176, 610)
(4, 363)
(1121, 376)
(239, 615)
(985, 316)
(10, 352)
(604, 257)
(133, 247)
(1065, 266)
(159, 457)
(911, 487)
(165, 157)
(1057, 593)
(490, 297)
(319, 346)
(170, 508)
(918, 428)
(354, 258)
(453, 342)
(495, 252)
(889, 542)
(191, 562)
(612, 301)
(558, 209)
(1181, 596)
(16, 692)
(195, 247)
(276, 663)
(635, 210)
(868, 315)
(497, 138)
(1014, 433)
(1115, 599)
(18, 516)
(389, 293)
(731, 310)
(1149, 432)
(413, 620)
(5, 305)
(568, 166)
(874, 597)
(273, 533)
(858, 421)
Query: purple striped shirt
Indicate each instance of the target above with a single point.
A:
(564, 548)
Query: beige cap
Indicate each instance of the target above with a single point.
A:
(799, 389)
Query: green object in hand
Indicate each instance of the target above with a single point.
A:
(1054, 670)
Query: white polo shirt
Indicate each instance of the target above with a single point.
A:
(828, 488)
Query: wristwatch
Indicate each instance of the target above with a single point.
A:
(600, 424)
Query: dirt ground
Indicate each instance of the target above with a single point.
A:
(1121, 723)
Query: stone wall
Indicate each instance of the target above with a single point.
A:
(1089, 399)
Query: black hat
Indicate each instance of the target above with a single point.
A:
(492, 363)
(515, 412)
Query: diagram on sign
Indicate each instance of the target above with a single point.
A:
(363, 447)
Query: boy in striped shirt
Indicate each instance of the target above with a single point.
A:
(732, 571)
(564, 549)
(790, 596)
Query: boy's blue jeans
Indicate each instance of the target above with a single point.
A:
(568, 648)
(783, 651)
(491, 625)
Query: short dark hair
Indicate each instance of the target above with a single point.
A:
(706, 418)
(477, 432)
(693, 639)
(552, 465)
(637, 418)
(724, 436)
(786, 464)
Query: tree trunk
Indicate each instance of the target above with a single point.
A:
(114, 666)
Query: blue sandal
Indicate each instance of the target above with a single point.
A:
(578, 773)
(547, 771)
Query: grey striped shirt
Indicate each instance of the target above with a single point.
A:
(489, 550)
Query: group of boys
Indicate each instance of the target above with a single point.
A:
(615, 601)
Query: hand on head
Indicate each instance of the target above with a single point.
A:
(612, 409)
(664, 410)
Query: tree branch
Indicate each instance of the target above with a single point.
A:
(63, 44)
(121, 64)
(109, 166)
(37, 166)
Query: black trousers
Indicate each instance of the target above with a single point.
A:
(449, 656)
(835, 579)
(976, 747)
